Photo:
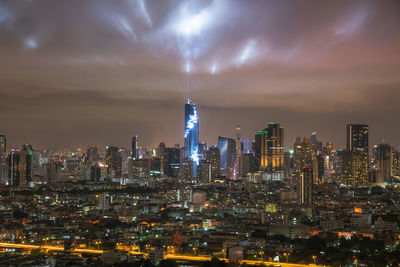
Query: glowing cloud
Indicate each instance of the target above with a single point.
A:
(191, 23)
(30, 43)
(213, 68)
(246, 53)
(144, 12)
(125, 28)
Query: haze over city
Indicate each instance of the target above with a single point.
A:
(74, 73)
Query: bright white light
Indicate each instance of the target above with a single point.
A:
(188, 67)
(30, 43)
(195, 156)
(214, 68)
(126, 28)
(144, 12)
(246, 53)
(192, 24)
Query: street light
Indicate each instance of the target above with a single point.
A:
(287, 256)
(315, 259)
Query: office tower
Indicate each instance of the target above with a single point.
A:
(320, 169)
(257, 149)
(305, 186)
(357, 142)
(227, 150)
(186, 170)
(270, 146)
(134, 151)
(95, 173)
(316, 146)
(302, 154)
(247, 145)
(357, 137)
(247, 164)
(114, 162)
(92, 155)
(352, 168)
(155, 167)
(202, 149)
(395, 163)
(212, 157)
(171, 162)
(191, 135)
(384, 161)
(3, 159)
(3, 147)
(237, 162)
(139, 169)
(20, 166)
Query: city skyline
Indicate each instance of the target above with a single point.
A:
(61, 85)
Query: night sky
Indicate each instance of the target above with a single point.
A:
(74, 73)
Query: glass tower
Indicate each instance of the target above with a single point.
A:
(192, 135)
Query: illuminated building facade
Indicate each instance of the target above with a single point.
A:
(302, 154)
(305, 186)
(192, 135)
(357, 141)
(134, 153)
(3, 158)
(271, 147)
(114, 162)
(212, 157)
(384, 160)
(20, 167)
(238, 160)
(227, 150)
(395, 163)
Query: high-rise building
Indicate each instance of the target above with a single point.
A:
(352, 168)
(114, 162)
(227, 150)
(357, 136)
(171, 162)
(20, 166)
(305, 186)
(3, 147)
(271, 147)
(212, 157)
(3, 159)
(395, 163)
(247, 164)
(134, 152)
(384, 161)
(303, 155)
(192, 135)
(237, 163)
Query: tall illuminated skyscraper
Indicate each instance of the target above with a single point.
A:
(192, 135)
(3, 158)
(270, 144)
(227, 148)
(134, 153)
(357, 142)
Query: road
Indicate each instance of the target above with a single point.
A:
(166, 256)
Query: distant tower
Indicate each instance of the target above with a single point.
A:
(3, 158)
(236, 168)
(134, 154)
(3, 146)
(192, 135)
(20, 167)
(269, 145)
(357, 136)
(305, 186)
(384, 159)
(227, 148)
